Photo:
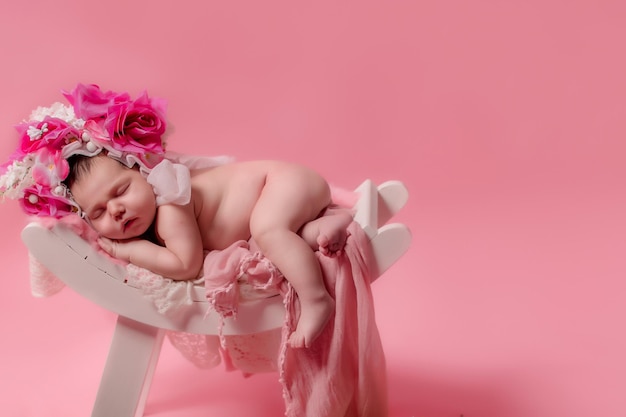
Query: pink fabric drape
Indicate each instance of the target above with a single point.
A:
(343, 373)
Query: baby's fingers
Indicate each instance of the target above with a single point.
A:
(107, 245)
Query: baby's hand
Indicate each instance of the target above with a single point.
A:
(114, 248)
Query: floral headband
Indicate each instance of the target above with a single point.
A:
(131, 131)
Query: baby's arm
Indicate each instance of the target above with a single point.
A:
(182, 256)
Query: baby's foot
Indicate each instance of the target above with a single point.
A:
(333, 233)
(313, 319)
(333, 244)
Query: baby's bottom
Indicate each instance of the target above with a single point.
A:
(291, 197)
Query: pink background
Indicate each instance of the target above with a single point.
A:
(504, 119)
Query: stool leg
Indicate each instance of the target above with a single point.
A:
(129, 369)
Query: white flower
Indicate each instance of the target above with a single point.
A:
(59, 111)
(17, 178)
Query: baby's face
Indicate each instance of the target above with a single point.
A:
(117, 201)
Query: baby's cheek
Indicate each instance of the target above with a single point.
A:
(102, 229)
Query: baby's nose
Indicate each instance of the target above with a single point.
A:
(116, 209)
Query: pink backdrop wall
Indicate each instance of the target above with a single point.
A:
(504, 119)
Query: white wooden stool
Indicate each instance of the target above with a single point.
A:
(140, 327)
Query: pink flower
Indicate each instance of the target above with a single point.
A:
(50, 168)
(90, 102)
(97, 133)
(39, 201)
(137, 126)
(50, 133)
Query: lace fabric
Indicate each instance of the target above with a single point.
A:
(43, 283)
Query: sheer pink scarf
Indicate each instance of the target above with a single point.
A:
(343, 373)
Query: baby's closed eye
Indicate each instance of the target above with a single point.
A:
(96, 214)
(121, 190)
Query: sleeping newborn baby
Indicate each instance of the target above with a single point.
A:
(282, 206)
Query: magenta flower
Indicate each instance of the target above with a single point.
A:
(90, 102)
(50, 133)
(130, 130)
(50, 168)
(39, 201)
(137, 126)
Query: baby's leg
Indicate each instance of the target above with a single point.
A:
(329, 232)
(292, 196)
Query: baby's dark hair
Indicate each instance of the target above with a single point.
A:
(80, 166)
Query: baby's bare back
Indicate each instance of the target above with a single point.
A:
(224, 197)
